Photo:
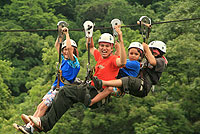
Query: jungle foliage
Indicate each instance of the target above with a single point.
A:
(28, 64)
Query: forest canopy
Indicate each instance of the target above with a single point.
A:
(28, 64)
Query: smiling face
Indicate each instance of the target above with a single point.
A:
(133, 54)
(105, 49)
(65, 53)
(155, 52)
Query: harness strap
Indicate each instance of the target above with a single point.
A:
(63, 80)
(142, 85)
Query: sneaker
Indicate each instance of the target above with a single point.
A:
(25, 130)
(97, 82)
(37, 122)
(16, 126)
(25, 118)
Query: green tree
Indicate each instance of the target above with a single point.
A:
(180, 10)
(5, 98)
(190, 102)
(24, 53)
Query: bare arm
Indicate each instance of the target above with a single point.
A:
(117, 47)
(92, 48)
(122, 60)
(151, 59)
(68, 44)
(57, 43)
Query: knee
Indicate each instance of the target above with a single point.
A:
(109, 89)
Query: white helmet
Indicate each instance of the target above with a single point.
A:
(106, 37)
(73, 43)
(159, 45)
(136, 45)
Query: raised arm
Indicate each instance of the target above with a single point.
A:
(92, 48)
(151, 59)
(68, 44)
(122, 60)
(117, 52)
(57, 43)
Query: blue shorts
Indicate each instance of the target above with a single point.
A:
(49, 97)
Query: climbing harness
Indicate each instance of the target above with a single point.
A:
(88, 27)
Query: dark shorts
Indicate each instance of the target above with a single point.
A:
(135, 86)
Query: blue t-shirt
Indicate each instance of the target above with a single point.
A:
(132, 68)
(69, 69)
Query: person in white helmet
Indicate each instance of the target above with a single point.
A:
(69, 66)
(132, 68)
(149, 74)
(107, 68)
(108, 65)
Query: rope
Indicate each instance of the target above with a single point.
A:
(175, 21)
(97, 28)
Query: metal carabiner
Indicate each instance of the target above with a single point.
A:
(88, 27)
(60, 25)
(145, 26)
(115, 22)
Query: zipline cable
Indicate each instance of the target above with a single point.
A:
(97, 28)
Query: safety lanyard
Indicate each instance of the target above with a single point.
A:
(145, 27)
(88, 27)
(60, 25)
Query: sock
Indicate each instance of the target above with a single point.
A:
(32, 128)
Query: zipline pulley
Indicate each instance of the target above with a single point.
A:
(88, 27)
(145, 27)
(115, 22)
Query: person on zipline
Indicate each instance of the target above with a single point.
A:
(106, 68)
(149, 75)
(69, 66)
(132, 68)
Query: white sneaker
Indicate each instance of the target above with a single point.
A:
(26, 130)
(36, 121)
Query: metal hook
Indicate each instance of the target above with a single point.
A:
(115, 22)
